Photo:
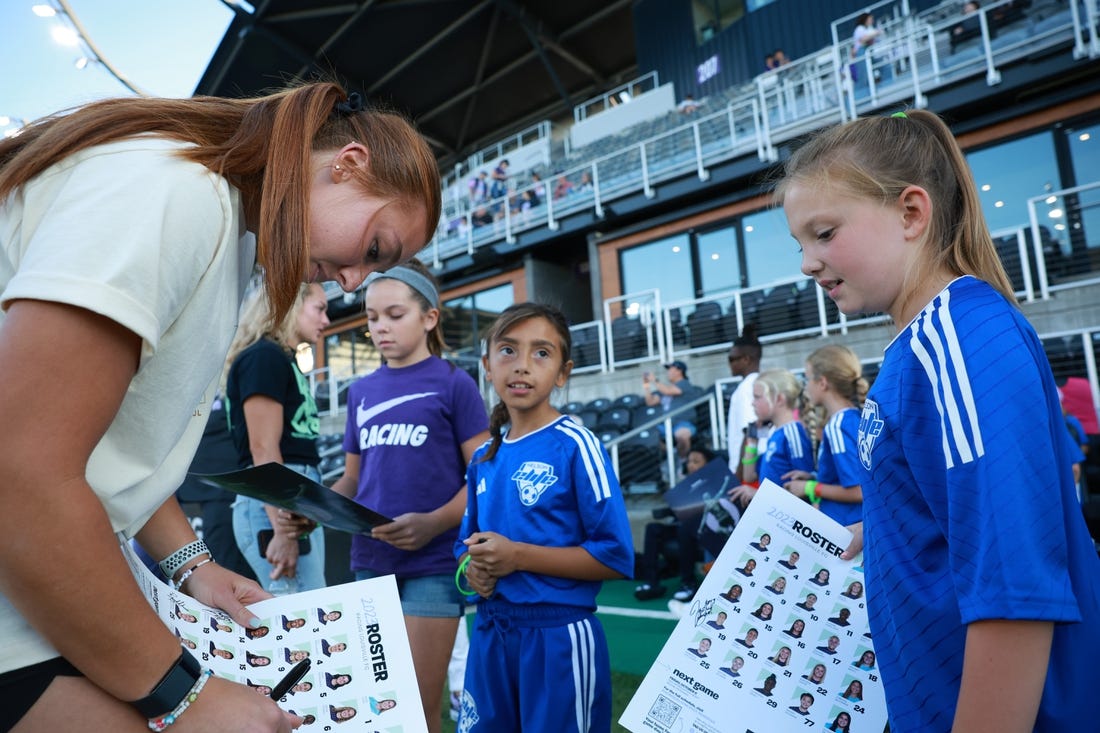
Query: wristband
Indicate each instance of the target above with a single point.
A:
(460, 574)
(173, 688)
(161, 723)
(172, 564)
(813, 493)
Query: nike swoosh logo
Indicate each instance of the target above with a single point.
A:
(363, 415)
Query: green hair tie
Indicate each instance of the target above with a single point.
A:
(900, 114)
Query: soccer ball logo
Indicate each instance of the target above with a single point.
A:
(468, 716)
(532, 479)
(870, 426)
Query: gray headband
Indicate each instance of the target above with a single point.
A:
(410, 277)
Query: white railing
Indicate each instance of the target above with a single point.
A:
(1058, 249)
(621, 94)
(912, 58)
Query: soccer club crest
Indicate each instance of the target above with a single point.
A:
(870, 427)
(533, 478)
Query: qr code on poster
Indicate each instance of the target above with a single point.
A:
(664, 711)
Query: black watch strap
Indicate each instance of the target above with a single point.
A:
(172, 688)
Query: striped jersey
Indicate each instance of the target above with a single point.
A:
(553, 487)
(970, 510)
(838, 463)
(788, 448)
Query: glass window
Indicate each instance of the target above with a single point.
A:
(466, 319)
(350, 353)
(1083, 210)
(770, 252)
(719, 268)
(1008, 175)
(663, 265)
(712, 16)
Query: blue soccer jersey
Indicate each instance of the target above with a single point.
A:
(970, 511)
(788, 449)
(554, 487)
(838, 463)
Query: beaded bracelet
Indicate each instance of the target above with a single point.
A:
(172, 564)
(161, 723)
(187, 573)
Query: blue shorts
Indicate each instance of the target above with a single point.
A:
(428, 596)
(539, 669)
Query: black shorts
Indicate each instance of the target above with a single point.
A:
(21, 688)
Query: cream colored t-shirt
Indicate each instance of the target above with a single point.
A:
(157, 243)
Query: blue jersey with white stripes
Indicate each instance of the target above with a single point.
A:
(838, 463)
(970, 510)
(788, 449)
(553, 487)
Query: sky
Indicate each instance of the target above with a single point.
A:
(161, 46)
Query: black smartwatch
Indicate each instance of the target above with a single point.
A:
(171, 689)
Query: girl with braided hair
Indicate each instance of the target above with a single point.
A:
(836, 389)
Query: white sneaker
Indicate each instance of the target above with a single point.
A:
(677, 608)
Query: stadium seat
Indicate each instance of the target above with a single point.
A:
(628, 337)
(705, 325)
(617, 418)
(629, 401)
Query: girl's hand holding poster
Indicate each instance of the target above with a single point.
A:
(776, 638)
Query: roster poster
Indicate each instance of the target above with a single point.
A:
(776, 638)
(361, 674)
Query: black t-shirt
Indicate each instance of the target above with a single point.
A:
(266, 369)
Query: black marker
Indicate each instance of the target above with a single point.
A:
(296, 673)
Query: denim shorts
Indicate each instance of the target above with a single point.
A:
(429, 596)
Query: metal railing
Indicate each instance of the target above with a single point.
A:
(914, 56)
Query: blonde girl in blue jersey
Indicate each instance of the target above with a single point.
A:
(836, 389)
(982, 581)
(776, 395)
(545, 524)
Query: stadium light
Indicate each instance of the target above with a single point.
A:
(72, 33)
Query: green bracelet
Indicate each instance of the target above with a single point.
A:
(811, 493)
(460, 574)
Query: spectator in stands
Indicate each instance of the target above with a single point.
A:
(562, 188)
(481, 216)
(498, 186)
(969, 27)
(744, 361)
(479, 188)
(120, 297)
(585, 183)
(672, 395)
(780, 59)
(864, 36)
(532, 195)
(658, 536)
(688, 105)
(273, 419)
(769, 62)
